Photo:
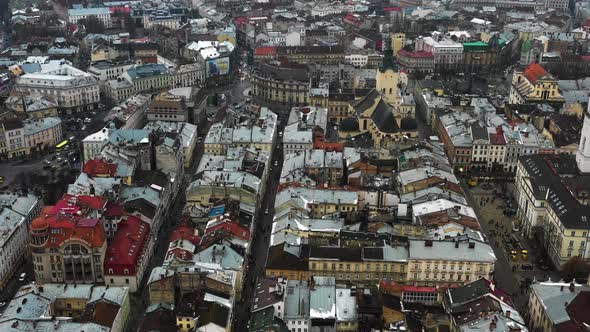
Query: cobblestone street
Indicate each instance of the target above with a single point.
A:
(489, 201)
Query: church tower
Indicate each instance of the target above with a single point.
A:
(387, 80)
(583, 153)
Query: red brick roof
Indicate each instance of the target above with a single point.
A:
(127, 247)
(187, 232)
(70, 204)
(534, 71)
(269, 50)
(232, 227)
(114, 210)
(497, 139)
(98, 167)
(71, 227)
(421, 54)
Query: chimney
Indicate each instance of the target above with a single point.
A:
(561, 288)
(492, 286)
(572, 287)
(492, 326)
(508, 313)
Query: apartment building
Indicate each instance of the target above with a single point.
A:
(67, 307)
(106, 70)
(370, 264)
(550, 210)
(282, 84)
(68, 241)
(152, 78)
(316, 202)
(433, 262)
(447, 53)
(302, 126)
(260, 132)
(557, 306)
(102, 14)
(75, 90)
(481, 139)
(239, 175)
(128, 254)
(13, 243)
(167, 107)
(23, 138)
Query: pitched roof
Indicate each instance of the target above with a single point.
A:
(534, 71)
(579, 308)
(383, 118)
(95, 167)
(127, 246)
(285, 256)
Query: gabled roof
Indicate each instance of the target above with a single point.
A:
(96, 167)
(127, 247)
(534, 72)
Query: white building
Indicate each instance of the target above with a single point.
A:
(92, 144)
(13, 243)
(357, 60)
(106, 70)
(74, 89)
(103, 14)
(448, 54)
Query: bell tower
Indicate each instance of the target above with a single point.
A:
(387, 79)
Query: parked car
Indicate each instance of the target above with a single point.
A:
(87, 120)
(22, 276)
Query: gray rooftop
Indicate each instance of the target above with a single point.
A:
(446, 250)
(553, 295)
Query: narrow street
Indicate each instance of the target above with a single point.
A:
(260, 240)
(140, 300)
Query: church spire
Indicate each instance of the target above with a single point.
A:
(388, 57)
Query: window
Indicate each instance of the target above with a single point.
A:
(127, 281)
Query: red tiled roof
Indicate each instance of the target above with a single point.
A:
(351, 18)
(114, 210)
(232, 227)
(392, 9)
(422, 289)
(70, 204)
(68, 227)
(180, 253)
(186, 232)
(95, 167)
(241, 20)
(497, 139)
(534, 71)
(421, 54)
(127, 247)
(269, 50)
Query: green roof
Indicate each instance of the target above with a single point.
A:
(477, 46)
(477, 43)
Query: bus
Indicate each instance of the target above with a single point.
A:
(61, 145)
